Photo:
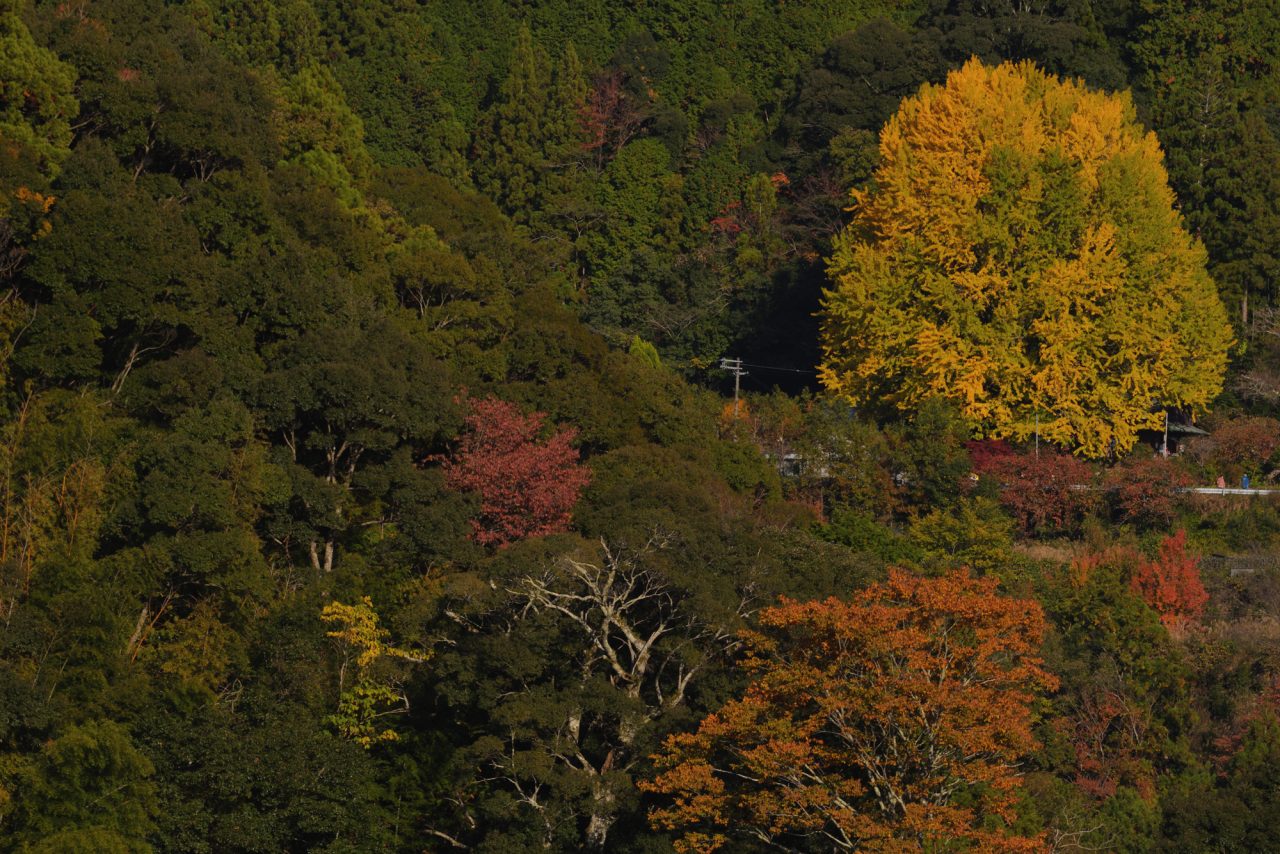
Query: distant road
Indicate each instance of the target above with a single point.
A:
(1218, 490)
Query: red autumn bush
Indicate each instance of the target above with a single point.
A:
(1171, 583)
(1145, 491)
(527, 485)
(985, 454)
(1239, 443)
(1051, 494)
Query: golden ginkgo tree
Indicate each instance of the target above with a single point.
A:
(1019, 253)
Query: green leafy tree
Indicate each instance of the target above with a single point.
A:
(1123, 716)
(90, 790)
(280, 34)
(566, 722)
(975, 535)
(37, 102)
(632, 191)
(309, 789)
(847, 95)
(389, 70)
(1239, 813)
(110, 302)
(319, 130)
(37, 105)
(1066, 38)
(340, 402)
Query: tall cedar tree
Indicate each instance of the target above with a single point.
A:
(529, 141)
(881, 724)
(527, 486)
(1019, 254)
(509, 139)
(1209, 69)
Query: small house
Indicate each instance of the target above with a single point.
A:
(1177, 431)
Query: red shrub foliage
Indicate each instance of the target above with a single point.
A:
(1171, 583)
(1048, 495)
(984, 454)
(1241, 442)
(527, 487)
(728, 222)
(1107, 731)
(1145, 491)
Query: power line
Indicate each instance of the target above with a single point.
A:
(776, 368)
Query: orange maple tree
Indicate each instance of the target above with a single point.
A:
(893, 722)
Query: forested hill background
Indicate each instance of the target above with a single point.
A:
(366, 479)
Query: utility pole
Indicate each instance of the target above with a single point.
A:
(734, 366)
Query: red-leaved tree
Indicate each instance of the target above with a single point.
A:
(1249, 443)
(616, 110)
(1109, 730)
(1171, 583)
(527, 485)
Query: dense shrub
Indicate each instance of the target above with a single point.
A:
(985, 454)
(1144, 491)
(1238, 446)
(1047, 494)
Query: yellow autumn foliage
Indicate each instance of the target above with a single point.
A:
(365, 695)
(1019, 253)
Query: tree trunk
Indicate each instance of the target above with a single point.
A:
(601, 814)
(325, 563)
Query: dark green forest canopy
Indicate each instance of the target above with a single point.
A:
(266, 264)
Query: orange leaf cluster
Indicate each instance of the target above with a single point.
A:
(865, 723)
